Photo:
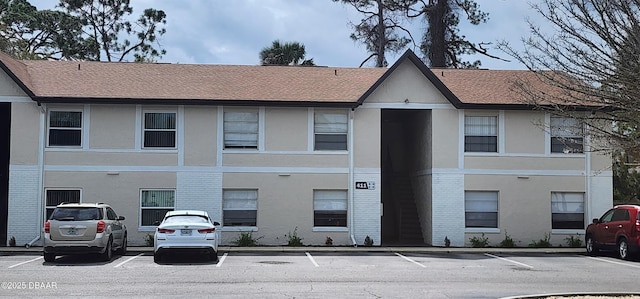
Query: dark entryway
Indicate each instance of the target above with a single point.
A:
(401, 158)
(5, 132)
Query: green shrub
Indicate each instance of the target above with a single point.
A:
(544, 242)
(245, 239)
(148, 240)
(368, 242)
(508, 242)
(479, 242)
(328, 241)
(575, 242)
(293, 239)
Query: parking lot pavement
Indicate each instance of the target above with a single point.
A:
(433, 274)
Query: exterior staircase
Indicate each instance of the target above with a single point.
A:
(409, 230)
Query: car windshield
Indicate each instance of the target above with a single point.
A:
(76, 214)
(186, 218)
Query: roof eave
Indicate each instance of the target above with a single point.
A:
(208, 102)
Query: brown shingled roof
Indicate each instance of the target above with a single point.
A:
(199, 82)
(73, 81)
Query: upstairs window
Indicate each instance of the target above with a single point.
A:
(241, 130)
(65, 128)
(160, 130)
(566, 135)
(330, 131)
(481, 134)
(330, 208)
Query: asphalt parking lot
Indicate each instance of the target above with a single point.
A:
(316, 274)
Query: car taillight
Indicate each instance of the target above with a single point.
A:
(166, 230)
(207, 230)
(47, 227)
(101, 226)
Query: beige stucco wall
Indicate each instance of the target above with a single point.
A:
(286, 203)
(25, 133)
(8, 87)
(524, 205)
(286, 129)
(200, 135)
(284, 160)
(121, 191)
(366, 139)
(148, 158)
(112, 126)
(524, 132)
(407, 83)
(445, 138)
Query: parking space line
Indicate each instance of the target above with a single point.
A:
(29, 261)
(410, 260)
(221, 260)
(128, 260)
(613, 262)
(313, 261)
(508, 260)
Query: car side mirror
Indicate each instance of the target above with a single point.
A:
(595, 220)
(120, 217)
(216, 223)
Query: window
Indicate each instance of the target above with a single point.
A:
(154, 204)
(239, 207)
(481, 209)
(330, 208)
(160, 129)
(567, 210)
(481, 134)
(56, 197)
(241, 130)
(330, 131)
(65, 128)
(566, 135)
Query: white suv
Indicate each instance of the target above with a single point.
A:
(80, 228)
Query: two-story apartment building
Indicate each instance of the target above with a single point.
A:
(404, 155)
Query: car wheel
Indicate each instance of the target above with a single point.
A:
(623, 249)
(123, 249)
(108, 251)
(591, 246)
(157, 257)
(49, 257)
(214, 256)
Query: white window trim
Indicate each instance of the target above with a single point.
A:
(500, 147)
(312, 134)
(243, 227)
(153, 227)
(548, 136)
(141, 130)
(261, 132)
(84, 127)
(484, 229)
(57, 188)
(332, 228)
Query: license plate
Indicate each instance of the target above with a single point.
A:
(185, 232)
(72, 232)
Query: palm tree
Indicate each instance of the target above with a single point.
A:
(284, 54)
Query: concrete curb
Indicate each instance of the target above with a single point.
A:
(342, 249)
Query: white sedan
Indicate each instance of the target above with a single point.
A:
(186, 231)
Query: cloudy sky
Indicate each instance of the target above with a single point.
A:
(234, 31)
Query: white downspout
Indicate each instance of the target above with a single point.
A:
(41, 145)
(587, 176)
(351, 148)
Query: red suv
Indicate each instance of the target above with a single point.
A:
(618, 229)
